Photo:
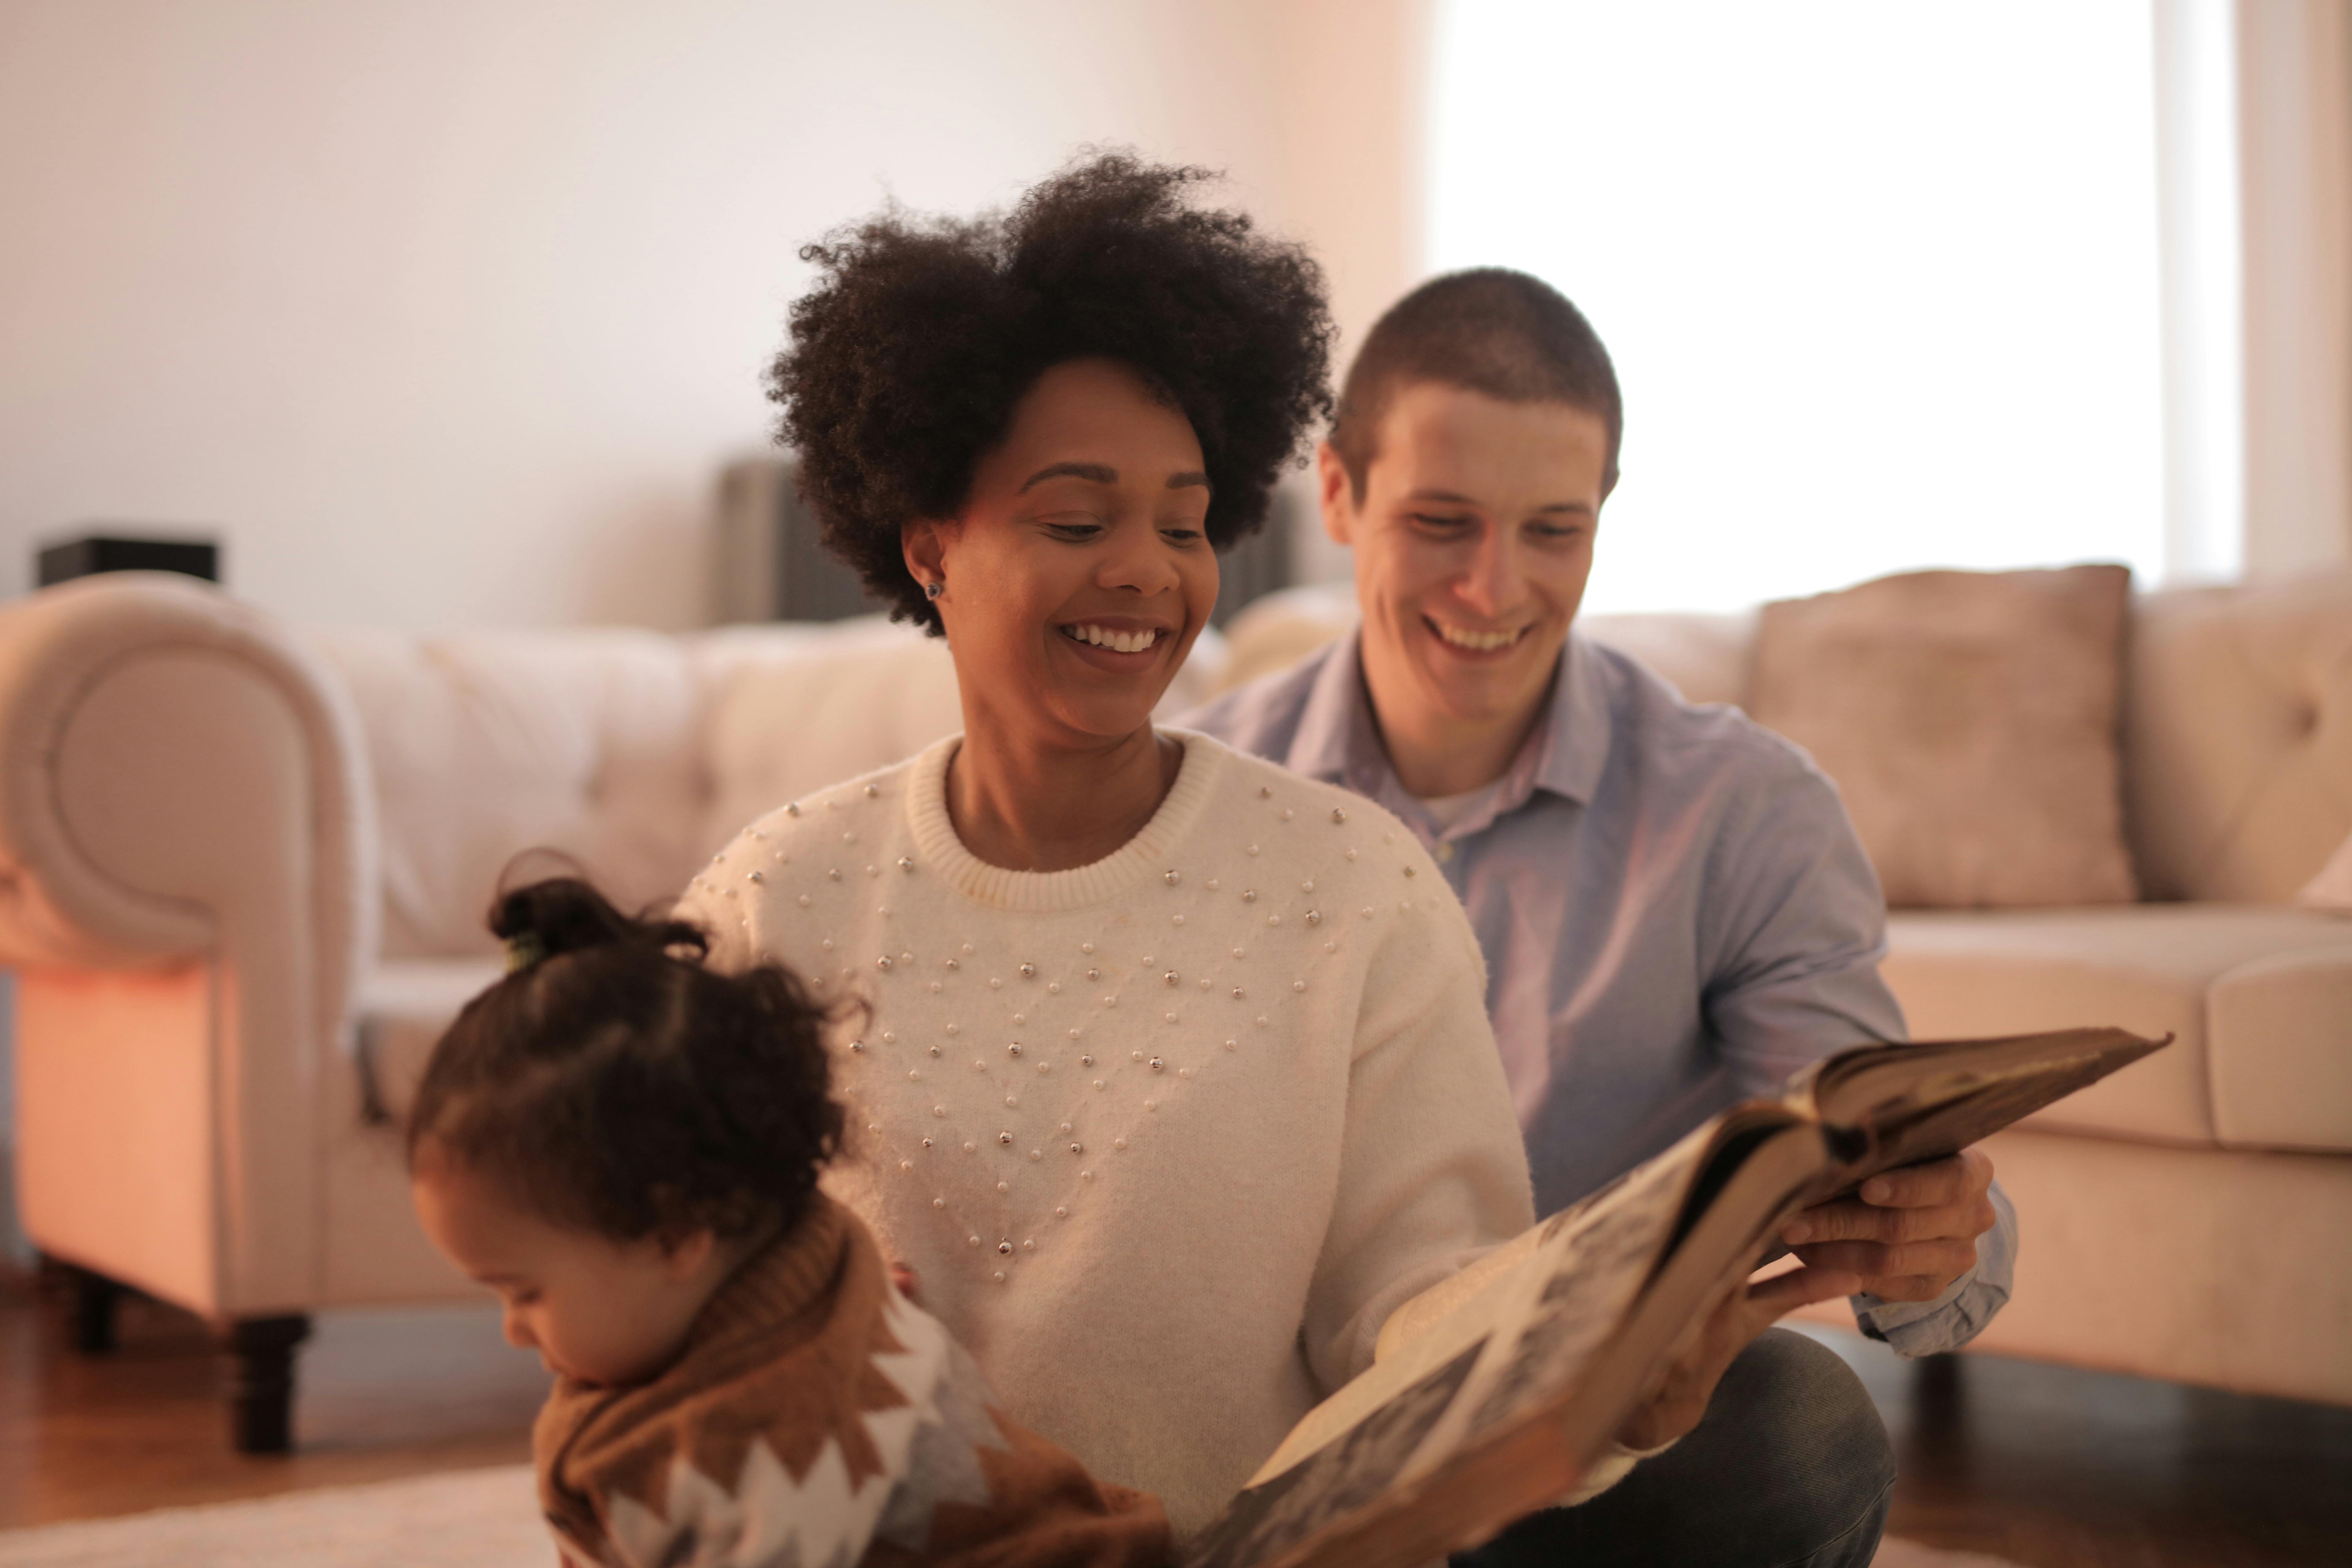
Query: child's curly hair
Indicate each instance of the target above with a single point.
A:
(613, 1083)
(908, 358)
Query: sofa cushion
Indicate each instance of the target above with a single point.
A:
(2261, 1055)
(1703, 655)
(1276, 630)
(790, 713)
(634, 754)
(2238, 737)
(2332, 889)
(1969, 719)
(2281, 1051)
(404, 1006)
(784, 727)
(483, 745)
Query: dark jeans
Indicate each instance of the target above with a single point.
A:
(1789, 1469)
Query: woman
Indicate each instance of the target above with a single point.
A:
(1175, 1076)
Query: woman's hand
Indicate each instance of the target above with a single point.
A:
(1712, 1344)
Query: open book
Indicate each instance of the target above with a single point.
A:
(1495, 1392)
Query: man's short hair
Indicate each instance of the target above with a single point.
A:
(1488, 330)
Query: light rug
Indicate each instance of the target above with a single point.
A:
(470, 1519)
(466, 1519)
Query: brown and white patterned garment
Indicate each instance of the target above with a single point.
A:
(819, 1419)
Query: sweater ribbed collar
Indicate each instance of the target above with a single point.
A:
(1043, 893)
(779, 1282)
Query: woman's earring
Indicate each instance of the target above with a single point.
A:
(933, 589)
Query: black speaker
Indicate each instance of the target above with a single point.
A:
(107, 552)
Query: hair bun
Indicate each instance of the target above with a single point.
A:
(563, 914)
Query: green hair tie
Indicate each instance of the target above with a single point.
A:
(524, 950)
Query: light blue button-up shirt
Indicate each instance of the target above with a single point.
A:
(1674, 910)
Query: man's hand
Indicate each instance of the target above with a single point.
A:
(1907, 1234)
(1711, 1345)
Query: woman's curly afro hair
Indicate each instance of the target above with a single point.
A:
(908, 358)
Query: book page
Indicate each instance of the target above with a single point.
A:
(1587, 1288)
(1462, 1374)
(1417, 1317)
(1556, 1280)
(1442, 1454)
(1338, 1478)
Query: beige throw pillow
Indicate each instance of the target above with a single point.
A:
(1969, 719)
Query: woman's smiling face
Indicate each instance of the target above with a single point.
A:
(1080, 571)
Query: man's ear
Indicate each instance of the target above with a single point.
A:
(923, 542)
(1338, 495)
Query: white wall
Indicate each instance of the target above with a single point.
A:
(446, 313)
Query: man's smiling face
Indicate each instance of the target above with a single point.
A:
(1473, 539)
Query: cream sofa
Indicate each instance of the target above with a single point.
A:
(243, 872)
(243, 868)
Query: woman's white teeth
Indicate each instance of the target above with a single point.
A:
(1117, 642)
(1480, 642)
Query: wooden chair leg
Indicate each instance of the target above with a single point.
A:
(91, 1299)
(261, 1390)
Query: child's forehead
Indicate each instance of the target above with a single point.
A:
(477, 1216)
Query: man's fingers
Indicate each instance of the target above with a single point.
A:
(1872, 1260)
(1834, 1222)
(1846, 1220)
(1951, 1180)
(1907, 1287)
(1769, 1299)
(1849, 1221)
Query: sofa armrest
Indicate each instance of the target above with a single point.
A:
(127, 709)
(181, 783)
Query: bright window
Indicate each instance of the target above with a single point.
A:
(1880, 279)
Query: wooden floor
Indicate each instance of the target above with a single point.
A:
(2046, 1465)
(382, 1395)
(2056, 1467)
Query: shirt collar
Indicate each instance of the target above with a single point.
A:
(1575, 736)
(1338, 741)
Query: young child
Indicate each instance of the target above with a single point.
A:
(624, 1146)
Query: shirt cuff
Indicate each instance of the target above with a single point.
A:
(1965, 1307)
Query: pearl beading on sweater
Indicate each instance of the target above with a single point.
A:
(1295, 1179)
(963, 1107)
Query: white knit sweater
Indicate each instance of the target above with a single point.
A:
(1164, 1138)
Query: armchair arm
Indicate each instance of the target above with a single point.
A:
(181, 782)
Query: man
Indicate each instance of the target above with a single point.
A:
(1674, 911)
